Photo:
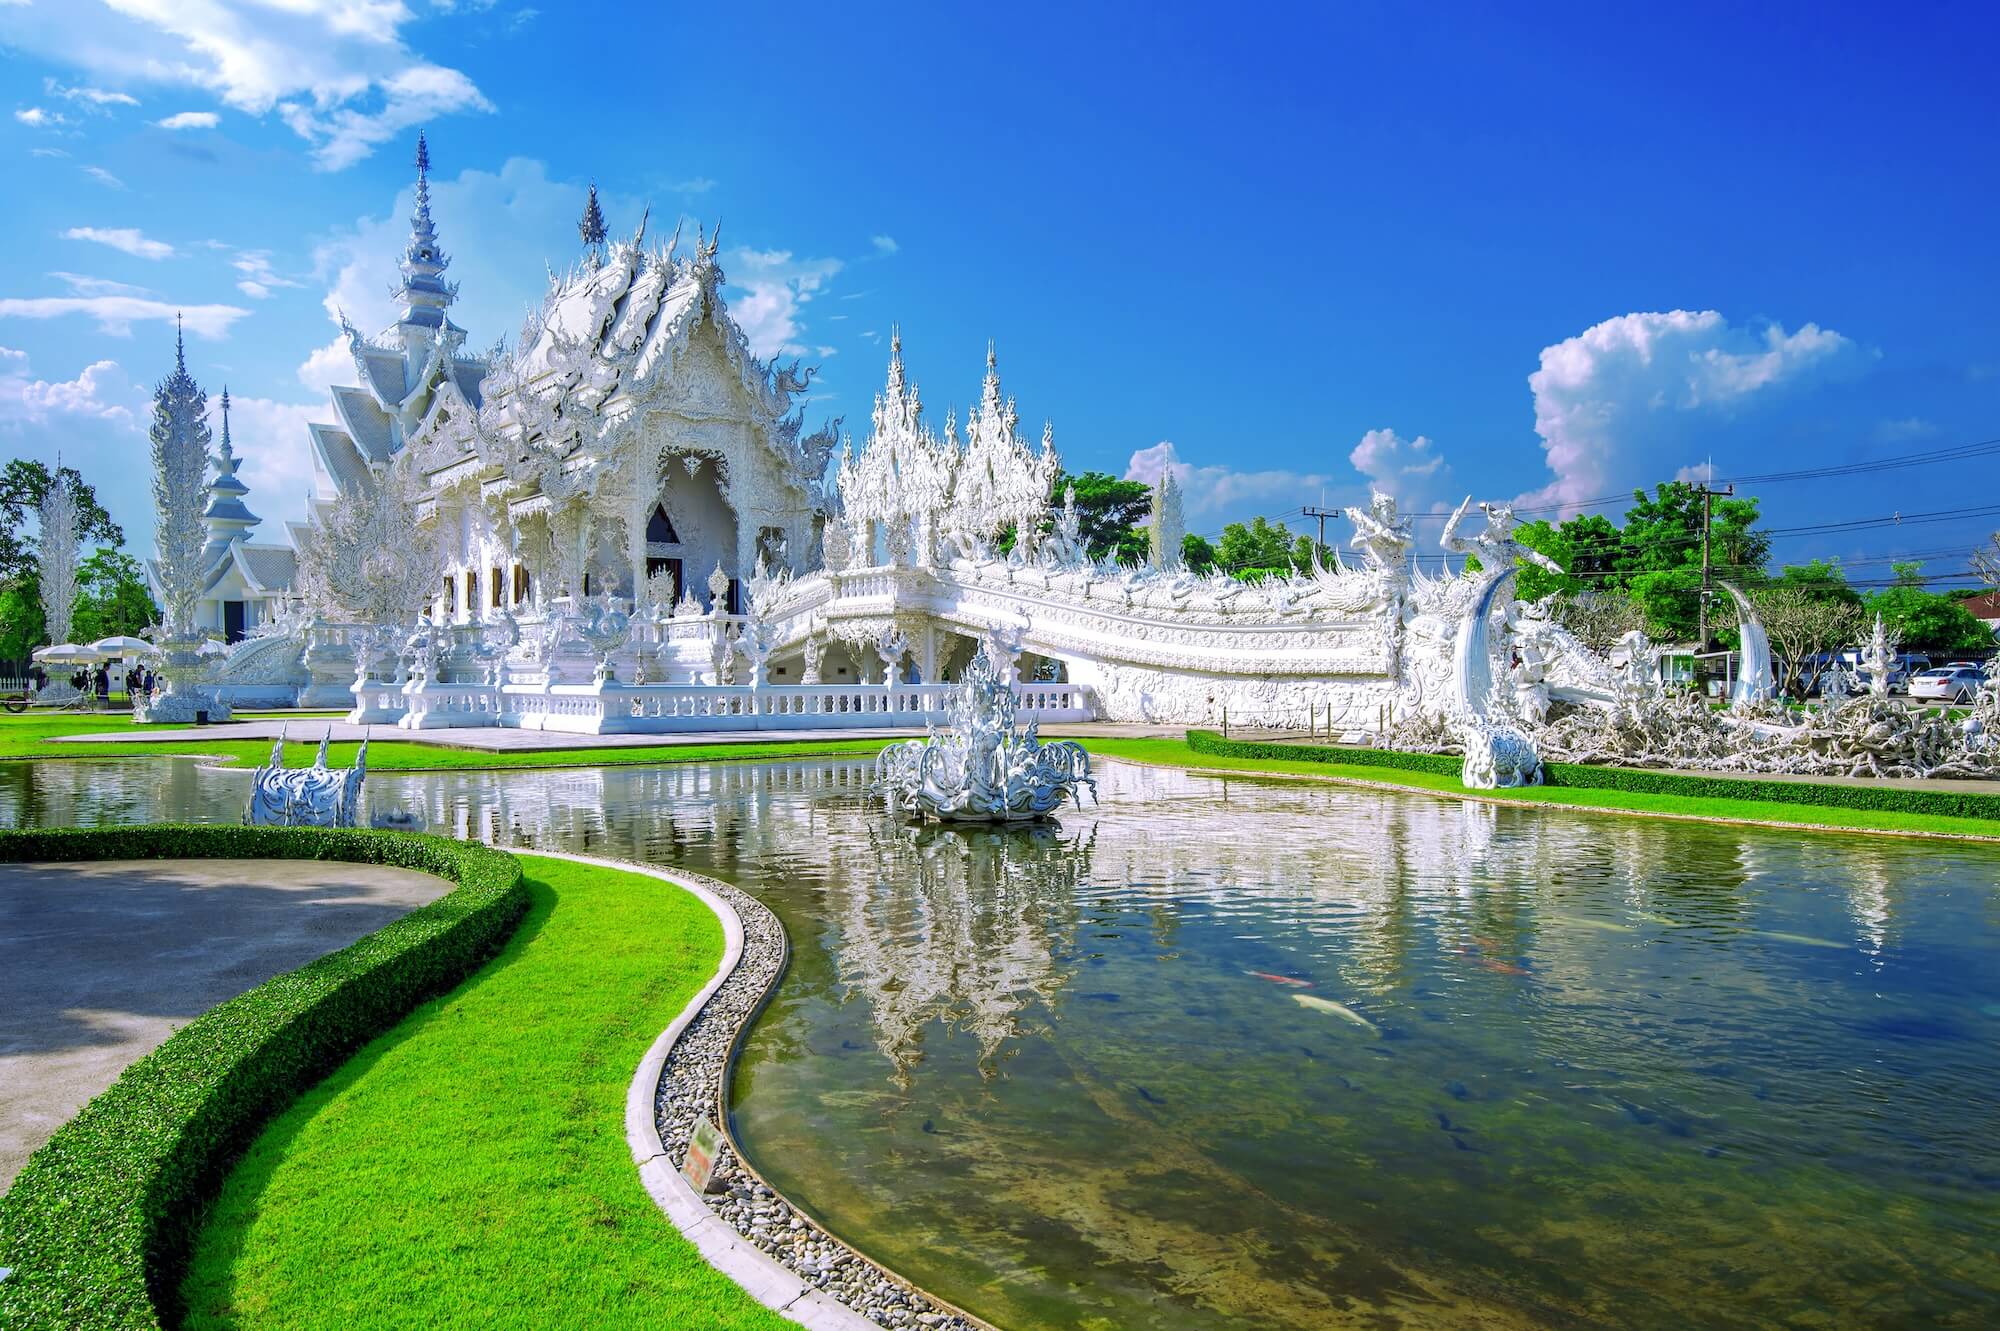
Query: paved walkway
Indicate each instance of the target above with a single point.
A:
(100, 962)
(496, 739)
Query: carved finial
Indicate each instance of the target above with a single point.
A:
(180, 346)
(640, 235)
(227, 452)
(591, 225)
(423, 162)
(992, 360)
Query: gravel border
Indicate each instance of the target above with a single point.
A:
(743, 1226)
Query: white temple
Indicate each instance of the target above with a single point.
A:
(622, 525)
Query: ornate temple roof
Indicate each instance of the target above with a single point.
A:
(406, 369)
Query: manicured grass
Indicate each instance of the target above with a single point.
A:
(469, 1168)
(27, 736)
(1176, 753)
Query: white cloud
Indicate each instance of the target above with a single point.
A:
(1620, 405)
(884, 244)
(47, 152)
(36, 117)
(524, 220)
(115, 315)
(126, 239)
(103, 177)
(1216, 492)
(92, 97)
(270, 437)
(338, 72)
(1409, 469)
(101, 391)
(96, 421)
(698, 185)
(328, 365)
(81, 284)
(775, 287)
(259, 277)
(190, 120)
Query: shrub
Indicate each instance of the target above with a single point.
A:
(1935, 802)
(98, 1226)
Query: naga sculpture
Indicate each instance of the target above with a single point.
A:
(982, 769)
(307, 796)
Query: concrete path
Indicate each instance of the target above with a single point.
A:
(504, 740)
(100, 962)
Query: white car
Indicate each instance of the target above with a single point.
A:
(1959, 684)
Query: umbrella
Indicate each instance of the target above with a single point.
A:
(123, 646)
(68, 653)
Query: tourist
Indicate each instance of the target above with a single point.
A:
(103, 682)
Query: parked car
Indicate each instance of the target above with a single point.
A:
(1901, 671)
(1948, 684)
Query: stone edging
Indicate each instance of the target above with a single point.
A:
(808, 1276)
(1489, 797)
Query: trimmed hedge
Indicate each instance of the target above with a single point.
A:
(1442, 764)
(1577, 776)
(98, 1225)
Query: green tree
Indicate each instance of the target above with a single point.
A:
(1664, 532)
(1824, 579)
(1590, 549)
(22, 627)
(1109, 511)
(1197, 553)
(23, 484)
(112, 597)
(1259, 547)
(1925, 620)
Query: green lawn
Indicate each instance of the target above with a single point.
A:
(469, 1168)
(27, 736)
(1176, 753)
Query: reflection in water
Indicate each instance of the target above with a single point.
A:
(1552, 1070)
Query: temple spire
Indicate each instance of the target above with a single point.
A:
(180, 346)
(591, 225)
(227, 451)
(423, 291)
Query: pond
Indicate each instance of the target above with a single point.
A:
(1231, 1053)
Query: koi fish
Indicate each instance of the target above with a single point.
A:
(1337, 1009)
(1494, 964)
(1280, 979)
(1800, 939)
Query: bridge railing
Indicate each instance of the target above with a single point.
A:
(614, 708)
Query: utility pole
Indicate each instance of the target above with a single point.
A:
(1708, 495)
(1322, 514)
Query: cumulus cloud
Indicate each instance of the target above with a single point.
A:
(775, 287)
(1409, 469)
(270, 437)
(101, 391)
(337, 72)
(328, 365)
(115, 315)
(884, 244)
(1621, 404)
(521, 218)
(190, 120)
(1218, 491)
(95, 420)
(38, 117)
(125, 239)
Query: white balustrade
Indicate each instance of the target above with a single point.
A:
(618, 708)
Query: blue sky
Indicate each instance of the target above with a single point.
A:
(1290, 252)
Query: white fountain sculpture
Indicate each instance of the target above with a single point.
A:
(982, 769)
(307, 796)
